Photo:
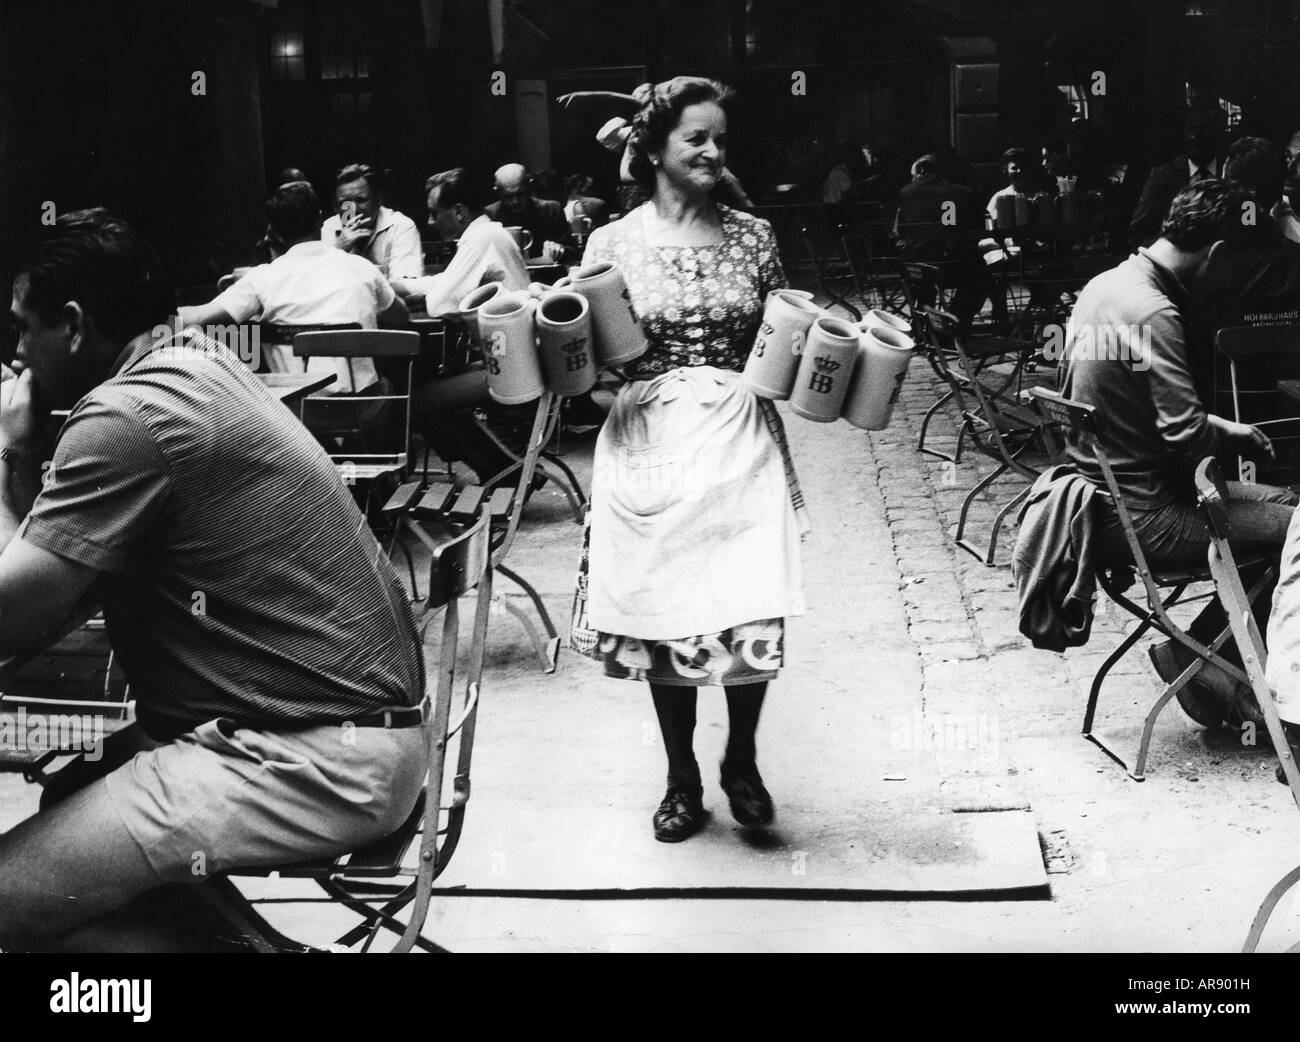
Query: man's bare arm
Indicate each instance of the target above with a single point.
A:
(38, 591)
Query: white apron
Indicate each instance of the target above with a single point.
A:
(693, 519)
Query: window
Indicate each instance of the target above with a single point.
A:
(288, 60)
(1077, 95)
(1233, 114)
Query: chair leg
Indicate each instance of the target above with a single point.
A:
(1095, 691)
(549, 649)
(980, 486)
(1138, 773)
(551, 457)
(1266, 909)
(1015, 501)
(572, 492)
(925, 423)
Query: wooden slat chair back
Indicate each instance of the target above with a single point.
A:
(1164, 587)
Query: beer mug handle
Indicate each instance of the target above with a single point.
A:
(528, 240)
(796, 342)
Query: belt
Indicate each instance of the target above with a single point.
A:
(404, 716)
(412, 716)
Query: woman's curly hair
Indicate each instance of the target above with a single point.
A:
(661, 109)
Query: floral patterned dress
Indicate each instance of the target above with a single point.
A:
(691, 561)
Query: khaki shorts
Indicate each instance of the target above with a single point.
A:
(222, 797)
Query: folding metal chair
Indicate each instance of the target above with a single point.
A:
(61, 701)
(1004, 430)
(875, 278)
(422, 509)
(1164, 587)
(836, 279)
(980, 352)
(363, 418)
(1210, 494)
(378, 883)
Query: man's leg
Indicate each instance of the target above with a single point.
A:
(1178, 536)
(439, 408)
(68, 867)
(1259, 514)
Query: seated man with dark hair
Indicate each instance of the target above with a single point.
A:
(1203, 127)
(934, 224)
(311, 283)
(485, 252)
(1126, 354)
(269, 646)
(1022, 173)
(1255, 281)
(365, 226)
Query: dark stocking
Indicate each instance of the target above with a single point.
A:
(675, 707)
(744, 703)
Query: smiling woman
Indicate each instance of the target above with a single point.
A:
(693, 550)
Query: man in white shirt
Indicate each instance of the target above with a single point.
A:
(485, 251)
(310, 284)
(364, 226)
(1018, 165)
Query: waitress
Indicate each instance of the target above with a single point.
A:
(693, 554)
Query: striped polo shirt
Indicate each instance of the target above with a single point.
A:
(239, 578)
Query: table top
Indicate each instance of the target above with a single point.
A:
(1291, 388)
(291, 387)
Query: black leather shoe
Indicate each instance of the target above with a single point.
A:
(1200, 699)
(681, 814)
(751, 803)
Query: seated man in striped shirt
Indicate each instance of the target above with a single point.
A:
(268, 643)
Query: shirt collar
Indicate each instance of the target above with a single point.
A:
(140, 346)
(383, 219)
(308, 246)
(1165, 280)
(1212, 167)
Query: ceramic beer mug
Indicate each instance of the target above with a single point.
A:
(473, 302)
(510, 348)
(883, 357)
(564, 343)
(774, 359)
(615, 326)
(825, 370)
(880, 319)
(523, 238)
(1006, 211)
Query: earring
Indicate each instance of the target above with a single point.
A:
(654, 161)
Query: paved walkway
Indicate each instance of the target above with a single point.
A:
(905, 635)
